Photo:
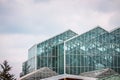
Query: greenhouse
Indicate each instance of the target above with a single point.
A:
(70, 53)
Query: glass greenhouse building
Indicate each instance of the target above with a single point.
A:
(70, 53)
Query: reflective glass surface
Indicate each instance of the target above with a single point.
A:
(48, 53)
(93, 50)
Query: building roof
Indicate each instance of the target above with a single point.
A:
(112, 77)
(99, 73)
(40, 73)
(65, 76)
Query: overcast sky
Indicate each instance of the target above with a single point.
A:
(26, 22)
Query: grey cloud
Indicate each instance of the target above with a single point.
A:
(107, 5)
(34, 18)
(115, 20)
(32, 26)
(7, 7)
(27, 20)
(36, 1)
(104, 6)
(4, 10)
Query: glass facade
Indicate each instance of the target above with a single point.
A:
(95, 49)
(73, 54)
(48, 53)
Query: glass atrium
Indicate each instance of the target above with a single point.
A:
(70, 53)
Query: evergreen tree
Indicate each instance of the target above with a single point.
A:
(4, 73)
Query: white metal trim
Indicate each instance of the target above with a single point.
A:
(64, 60)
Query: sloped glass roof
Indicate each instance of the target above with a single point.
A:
(99, 73)
(112, 77)
(39, 74)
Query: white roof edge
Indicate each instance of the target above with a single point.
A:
(29, 74)
(57, 35)
(69, 76)
(114, 29)
(71, 38)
